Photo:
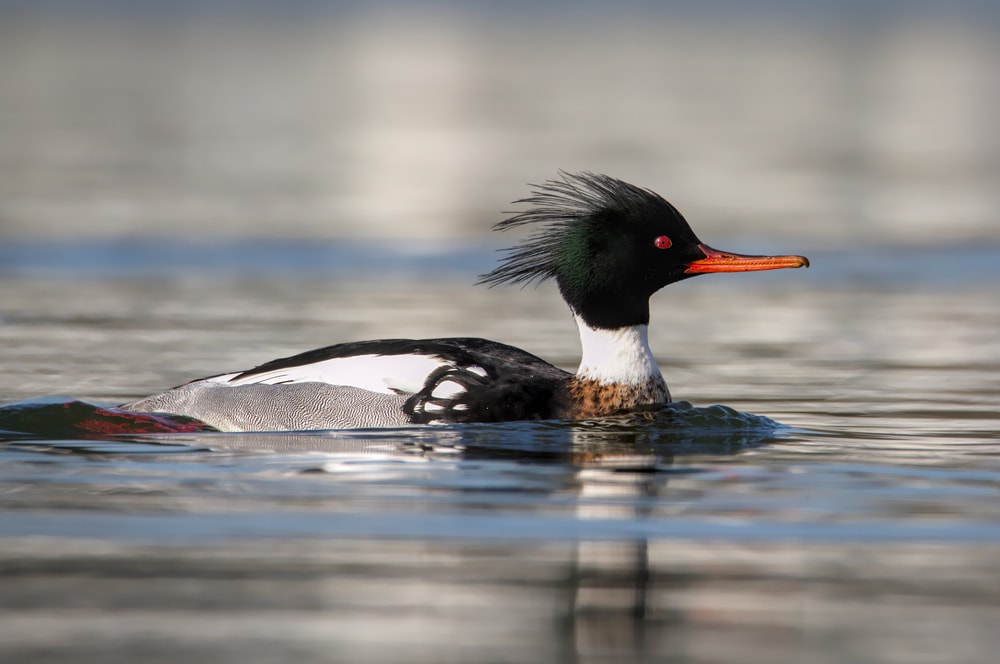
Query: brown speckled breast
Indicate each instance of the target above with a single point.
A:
(590, 398)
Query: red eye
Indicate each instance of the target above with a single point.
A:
(662, 242)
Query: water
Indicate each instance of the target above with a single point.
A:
(841, 506)
(194, 196)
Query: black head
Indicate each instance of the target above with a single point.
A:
(602, 240)
(610, 245)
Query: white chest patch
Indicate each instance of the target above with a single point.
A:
(617, 356)
(388, 374)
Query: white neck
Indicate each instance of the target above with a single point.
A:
(616, 356)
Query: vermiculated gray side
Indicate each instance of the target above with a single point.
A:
(292, 407)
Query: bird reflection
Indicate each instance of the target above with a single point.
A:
(593, 489)
(617, 479)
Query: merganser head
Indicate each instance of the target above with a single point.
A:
(610, 245)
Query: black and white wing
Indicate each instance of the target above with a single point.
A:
(373, 383)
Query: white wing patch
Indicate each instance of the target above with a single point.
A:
(388, 374)
(447, 389)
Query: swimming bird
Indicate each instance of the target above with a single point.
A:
(607, 244)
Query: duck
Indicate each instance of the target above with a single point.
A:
(607, 244)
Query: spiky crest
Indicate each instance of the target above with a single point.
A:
(560, 207)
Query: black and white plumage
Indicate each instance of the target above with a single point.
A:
(389, 382)
(609, 246)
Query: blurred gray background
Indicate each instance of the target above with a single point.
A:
(831, 124)
(192, 187)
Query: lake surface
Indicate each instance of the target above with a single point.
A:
(863, 527)
(185, 193)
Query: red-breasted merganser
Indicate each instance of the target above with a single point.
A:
(608, 244)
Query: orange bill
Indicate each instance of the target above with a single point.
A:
(724, 261)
